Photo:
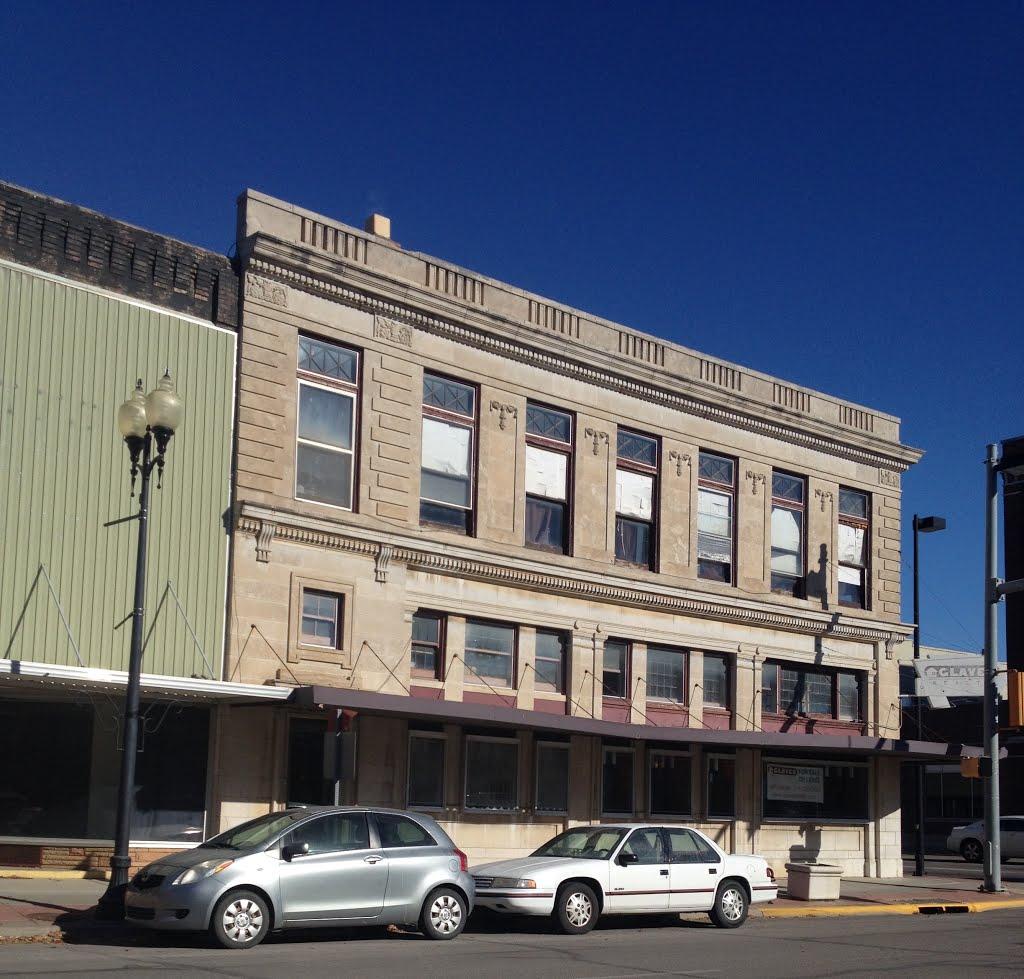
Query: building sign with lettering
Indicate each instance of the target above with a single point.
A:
(954, 676)
(795, 783)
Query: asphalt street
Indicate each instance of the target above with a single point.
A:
(916, 946)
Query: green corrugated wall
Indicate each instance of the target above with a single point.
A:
(68, 357)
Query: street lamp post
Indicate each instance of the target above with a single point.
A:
(145, 421)
(924, 525)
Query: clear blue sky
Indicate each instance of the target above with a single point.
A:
(830, 192)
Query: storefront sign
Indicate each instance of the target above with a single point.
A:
(954, 676)
(795, 783)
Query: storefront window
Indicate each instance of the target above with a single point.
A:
(617, 781)
(492, 773)
(801, 789)
(721, 786)
(552, 777)
(426, 770)
(670, 783)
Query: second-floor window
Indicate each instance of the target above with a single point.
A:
(716, 504)
(853, 548)
(635, 487)
(716, 680)
(549, 661)
(490, 652)
(615, 671)
(788, 507)
(548, 462)
(666, 674)
(794, 689)
(427, 650)
(325, 427)
(446, 475)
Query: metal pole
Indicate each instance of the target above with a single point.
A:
(990, 743)
(111, 905)
(919, 768)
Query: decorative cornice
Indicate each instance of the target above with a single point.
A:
(427, 558)
(559, 363)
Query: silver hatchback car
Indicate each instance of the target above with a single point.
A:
(309, 867)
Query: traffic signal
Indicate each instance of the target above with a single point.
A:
(969, 767)
(1015, 697)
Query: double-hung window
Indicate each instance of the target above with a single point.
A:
(812, 691)
(788, 509)
(716, 680)
(548, 462)
(666, 674)
(490, 652)
(325, 428)
(427, 649)
(854, 528)
(549, 660)
(716, 526)
(447, 463)
(321, 618)
(615, 673)
(636, 474)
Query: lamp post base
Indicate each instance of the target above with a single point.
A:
(110, 906)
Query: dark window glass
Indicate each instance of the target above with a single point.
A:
(853, 504)
(331, 833)
(617, 781)
(438, 392)
(687, 847)
(492, 774)
(843, 790)
(633, 541)
(716, 469)
(552, 778)
(546, 525)
(548, 424)
(716, 525)
(426, 771)
(307, 785)
(813, 691)
(670, 784)
(716, 680)
(647, 845)
(637, 448)
(721, 787)
(395, 831)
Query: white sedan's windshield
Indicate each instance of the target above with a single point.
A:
(586, 842)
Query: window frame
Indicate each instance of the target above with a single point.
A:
(438, 736)
(626, 672)
(630, 752)
(797, 584)
(726, 660)
(550, 746)
(652, 752)
(438, 672)
(563, 662)
(339, 388)
(456, 420)
(825, 764)
(490, 739)
(472, 675)
(833, 674)
(710, 485)
(626, 464)
(337, 620)
(298, 648)
(684, 657)
(567, 449)
(715, 758)
(864, 570)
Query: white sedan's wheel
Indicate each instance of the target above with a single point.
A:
(576, 908)
(731, 904)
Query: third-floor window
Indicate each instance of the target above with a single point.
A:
(636, 474)
(325, 429)
(446, 475)
(788, 509)
(548, 464)
(853, 548)
(716, 513)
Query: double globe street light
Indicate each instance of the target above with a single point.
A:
(146, 421)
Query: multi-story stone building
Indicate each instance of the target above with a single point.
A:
(525, 567)
(88, 305)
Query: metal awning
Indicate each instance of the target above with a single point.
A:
(20, 677)
(460, 712)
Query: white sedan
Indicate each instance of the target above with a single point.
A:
(630, 868)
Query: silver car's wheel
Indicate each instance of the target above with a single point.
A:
(443, 915)
(576, 908)
(241, 919)
(730, 910)
(971, 851)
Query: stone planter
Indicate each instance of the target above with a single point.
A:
(813, 881)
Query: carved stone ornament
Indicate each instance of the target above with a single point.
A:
(264, 537)
(680, 459)
(266, 290)
(755, 479)
(886, 477)
(825, 496)
(598, 437)
(504, 411)
(392, 331)
(383, 559)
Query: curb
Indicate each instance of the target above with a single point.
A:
(825, 910)
(22, 873)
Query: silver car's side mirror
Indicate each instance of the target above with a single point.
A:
(294, 850)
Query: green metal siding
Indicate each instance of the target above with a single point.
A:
(68, 357)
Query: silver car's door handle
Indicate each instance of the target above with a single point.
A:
(373, 858)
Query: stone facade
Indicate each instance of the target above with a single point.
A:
(400, 316)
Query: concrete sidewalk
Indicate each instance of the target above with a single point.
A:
(49, 910)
